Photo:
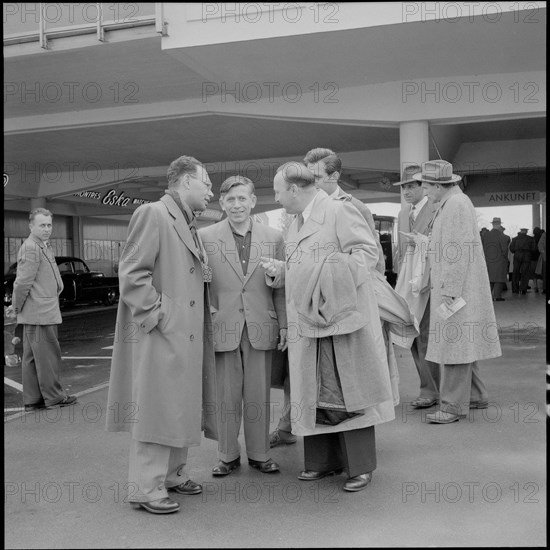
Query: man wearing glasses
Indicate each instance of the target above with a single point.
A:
(162, 374)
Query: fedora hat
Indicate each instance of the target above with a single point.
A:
(408, 173)
(437, 171)
(496, 220)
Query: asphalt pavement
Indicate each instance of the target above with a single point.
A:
(477, 482)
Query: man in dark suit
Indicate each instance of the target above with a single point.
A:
(326, 166)
(35, 301)
(495, 247)
(522, 246)
(415, 216)
(249, 322)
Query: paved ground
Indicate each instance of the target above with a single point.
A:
(478, 482)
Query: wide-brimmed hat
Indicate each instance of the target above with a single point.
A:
(407, 175)
(496, 220)
(437, 171)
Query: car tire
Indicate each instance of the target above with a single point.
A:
(110, 297)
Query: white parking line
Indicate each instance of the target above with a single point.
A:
(12, 384)
(95, 357)
(20, 411)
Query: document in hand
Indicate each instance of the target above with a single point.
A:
(446, 311)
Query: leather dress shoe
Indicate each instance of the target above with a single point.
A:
(187, 488)
(358, 483)
(35, 407)
(479, 404)
(68, 400)
(267, 467)
(312, 475)
(224, 468)
(280, 437)
(423, 402)
(161, 506)
(441, 417)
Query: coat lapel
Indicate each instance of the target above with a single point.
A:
(257, 249)
(311, 226)
(315, 220)
(180, 225)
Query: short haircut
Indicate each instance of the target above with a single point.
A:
(36, 211)
(179, 167)
(234, 181)
(296, 173)
(317, 154)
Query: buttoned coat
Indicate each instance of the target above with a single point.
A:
(336, 227)
(495, 248)
(237, 299)
(162, 371)
(37, 285)
(457, 269)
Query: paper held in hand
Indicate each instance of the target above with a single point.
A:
(446, 311)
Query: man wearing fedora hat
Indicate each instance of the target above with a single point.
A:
(457, 270)
(495, 247)
(415, 216)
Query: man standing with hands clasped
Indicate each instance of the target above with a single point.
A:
(249, 321)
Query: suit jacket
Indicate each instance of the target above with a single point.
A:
(522, 246)
(336, 228)
(423, 218)
(37, 285)
(366, 213)
(237, 299)
(162, 386)
(495, 248)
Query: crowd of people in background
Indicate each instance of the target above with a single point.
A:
(519, 261)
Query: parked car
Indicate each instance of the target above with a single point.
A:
(386, 226)
(81, 285)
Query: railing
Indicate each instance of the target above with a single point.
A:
(106, 17)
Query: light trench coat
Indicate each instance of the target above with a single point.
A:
(162, 387)
(458, 269)
(336, 226)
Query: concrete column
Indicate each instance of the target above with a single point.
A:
(414, 144)
(77, 237)
(536, 215)
(38, 202)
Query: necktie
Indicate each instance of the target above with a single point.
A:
(300, 219)
(193, 228)
(411, 217)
